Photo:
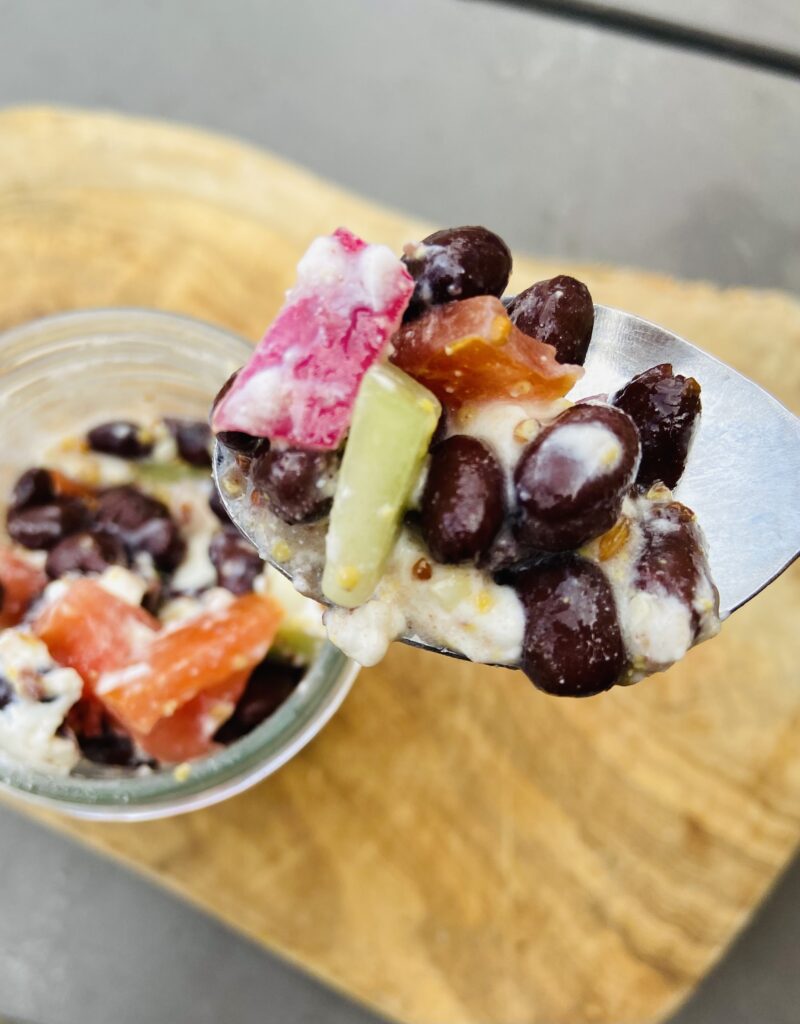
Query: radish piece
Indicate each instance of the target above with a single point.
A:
(301, 383)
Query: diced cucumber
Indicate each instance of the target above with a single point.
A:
(393, 421)
(167, 472)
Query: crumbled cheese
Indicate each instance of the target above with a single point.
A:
(43, 694)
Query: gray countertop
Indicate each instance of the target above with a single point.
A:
(569, 139)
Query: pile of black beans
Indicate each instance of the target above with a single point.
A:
(573, 643)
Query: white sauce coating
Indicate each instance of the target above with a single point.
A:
(459, 607)
(588, 450)
(43, 693)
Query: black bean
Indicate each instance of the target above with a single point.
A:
(559, 312)
(236, 561)
(193, 440)
(505, 551)
(123, 438)
(666, 409)
(84, 553)
(102, 741)
(462, 502)
(160, 538)
(271, 683)
(242, 444)
(672, 560)
(573, 644)
(570, 481)
(456, 263)
(143, 523)
(125, 507)
(7, 693)
(43, 526)
(298, 483)
(34, 487)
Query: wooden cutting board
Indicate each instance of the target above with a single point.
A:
(455, 847)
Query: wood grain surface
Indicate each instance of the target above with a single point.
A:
(455, 848)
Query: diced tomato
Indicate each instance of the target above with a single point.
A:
(21, 584)
(301, 382)
(469, 351)
(179, 664)
(189, 732)
(93, 631)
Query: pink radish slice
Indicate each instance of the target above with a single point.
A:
(300, 384)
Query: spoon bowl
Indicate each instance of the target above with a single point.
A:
(742, 479)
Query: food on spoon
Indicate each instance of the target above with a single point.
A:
(666, 410)
(300, 385)
(470, 351)
(126, 568)
(559, 312)
(571, 479)
(393, 414)
(522, 528)
(456, 263)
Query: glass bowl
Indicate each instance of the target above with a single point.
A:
(64, 373)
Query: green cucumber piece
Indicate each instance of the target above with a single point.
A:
(394, 418)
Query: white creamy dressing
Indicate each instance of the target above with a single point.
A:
(459, 607)
(586, 451)
(656, 625)
(43, 694)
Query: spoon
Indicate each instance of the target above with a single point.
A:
(742, 477)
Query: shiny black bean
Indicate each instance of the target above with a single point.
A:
(571, 479)
(456, 263)
(559, 312)
(34, 487)
(462, 502)
(84, 553)
(193, 440)
(143, 523)
(298, 483)
(7, 693)
(573, 644)
(672, 560)
(236, 561)
(123, 438)
(43, 526)
(666, 409)
(271, 683)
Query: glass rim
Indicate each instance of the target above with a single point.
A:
(283, 734)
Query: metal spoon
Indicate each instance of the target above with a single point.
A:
(743, 473)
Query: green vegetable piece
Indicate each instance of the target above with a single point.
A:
(393, 421)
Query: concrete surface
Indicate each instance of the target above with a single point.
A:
(567, 139)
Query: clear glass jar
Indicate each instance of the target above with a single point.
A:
(62, 374)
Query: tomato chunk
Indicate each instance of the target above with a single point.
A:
(301, 382)
(21, 583)
(197, 656)
(93, 631)
(189, 732)
(469, 351)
